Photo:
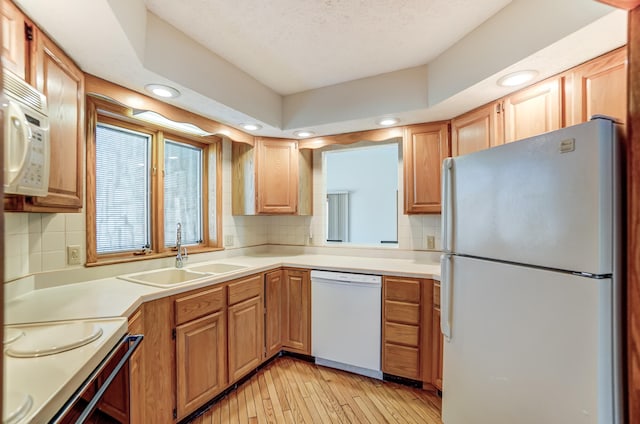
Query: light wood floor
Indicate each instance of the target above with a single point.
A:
(289, 390)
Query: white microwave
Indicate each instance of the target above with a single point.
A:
(26, 138)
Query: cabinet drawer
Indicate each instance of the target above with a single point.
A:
(199, 304)
(436, 295)
(403, 290)
(402, 334)
(402, 361)
(245, 289)
(407, 313)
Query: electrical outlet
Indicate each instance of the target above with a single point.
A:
(431, 242)
(228, 241)
(73, 255)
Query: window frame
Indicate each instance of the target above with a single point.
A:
(102, 111)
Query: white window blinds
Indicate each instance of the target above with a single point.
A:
(122, 189)
(182, 192)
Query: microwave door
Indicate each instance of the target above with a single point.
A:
(17, 145)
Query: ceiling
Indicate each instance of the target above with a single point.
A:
(331, 66)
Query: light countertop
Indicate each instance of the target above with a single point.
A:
(113, 297)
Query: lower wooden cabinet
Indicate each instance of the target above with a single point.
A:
(411, 338)
(200, 361)
(296, 334)
(136, 371)
(437, 341)
(274, 311)
(245, 326)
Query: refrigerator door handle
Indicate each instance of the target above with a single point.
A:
(445, 296)
(447, 206)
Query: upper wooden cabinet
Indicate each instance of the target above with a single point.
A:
(272, 177)
(424, 148)
(534, 110)
(599, 87)
(53, 73)
(477, 130)
(14, 39)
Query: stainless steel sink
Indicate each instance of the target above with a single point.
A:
(166, 277)
(217, 268)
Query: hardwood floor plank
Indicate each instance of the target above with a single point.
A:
(291, 391)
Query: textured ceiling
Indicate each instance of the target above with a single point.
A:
(298, 45)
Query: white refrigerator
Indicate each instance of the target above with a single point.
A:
(530, 281)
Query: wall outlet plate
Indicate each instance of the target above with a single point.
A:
(228, 241)
(431, 242)
(73, 255)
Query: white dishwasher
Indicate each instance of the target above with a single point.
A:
(346, 321)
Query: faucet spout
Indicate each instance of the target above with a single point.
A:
(179, 261)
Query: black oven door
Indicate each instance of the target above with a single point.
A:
(104, 397)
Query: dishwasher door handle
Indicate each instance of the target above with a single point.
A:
(346, 283)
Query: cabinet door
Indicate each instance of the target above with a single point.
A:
(63, 84)
(276, 176)
(274, 305)
(600, 87)
(200, 361)
(136, 371)
(534, 110)
(437, 346)
(246, 344)
(479, 129)
(424, 148)
(14, 42)
(297, 307)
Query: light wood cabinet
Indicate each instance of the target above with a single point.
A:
(424, 148)
(200, 361)
(401, 329)
(53, 73)
(15, 30)
(271, 177)
(599, 87)
(477, 130)
(437, 341)
(274, 305)
(534, 110)
(245, 326)
(137, 370)
(201, 346)
(296, 320)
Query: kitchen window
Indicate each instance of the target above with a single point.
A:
(142, 180)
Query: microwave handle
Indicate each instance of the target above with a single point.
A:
(16, 120)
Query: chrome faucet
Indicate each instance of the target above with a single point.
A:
(179, 262)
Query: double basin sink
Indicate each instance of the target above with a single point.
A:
(170, 277)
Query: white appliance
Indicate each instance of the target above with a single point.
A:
(530, 281)
(26, 138)
(345, 321)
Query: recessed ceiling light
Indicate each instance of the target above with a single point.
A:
(251, 127)
(162, 90)
(303, 133)
(517, 78)
(386, 122)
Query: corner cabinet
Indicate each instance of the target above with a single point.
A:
(54, 74)
(272, 177)
(14, 39)
(424, 148)
(274, 312)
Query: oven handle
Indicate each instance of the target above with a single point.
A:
(134, 341)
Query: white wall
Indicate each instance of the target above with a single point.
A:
(370, 176)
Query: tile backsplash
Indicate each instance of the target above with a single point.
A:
(37, 242)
